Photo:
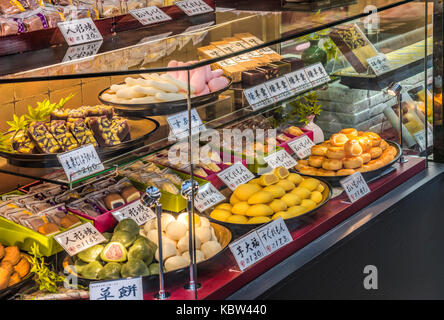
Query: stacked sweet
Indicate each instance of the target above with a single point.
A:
(347, 152)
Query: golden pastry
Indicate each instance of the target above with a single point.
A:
(325, 173)
(374, 137)
(315, 161)
(335, 153)
(392, 150)
(308, 170)
(350, 133)
(338, 139)
(383, 145)
(353, 148)
(319, 150)
(352, 162)
(332, 164)
(365, 168)
(375, 164)
(365, 143)
(366, 157)
(375, 152)
(386, 158)
(345, 172)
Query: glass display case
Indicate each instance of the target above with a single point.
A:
(249, 132)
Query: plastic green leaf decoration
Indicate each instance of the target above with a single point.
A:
(63, 101)
(305, 106)
(34, 114)
(18, 123)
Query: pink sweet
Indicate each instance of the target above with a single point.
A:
(205, 91)
(173, 64)
(189, 63)
(209, 75)
(217, 73)
(217, 84)
(182, 75)
(198, 80)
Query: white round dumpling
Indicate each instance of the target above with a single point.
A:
(166, 219)
(199, 256)
(183, 217)
(153, 236)
(204, 234)
(175, 230)
(169, 250)
(210, 248)
(175, 262)
(183, 243)
(213, 235)
(152, 224)
(204, 222)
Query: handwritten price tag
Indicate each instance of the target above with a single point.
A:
(80, 162)
(280, 158)
(248, 250)
(207, 197)
(79, 31)
(82, 51)
(316, 74)
(136, 211)
(193, 7)
(149, 15)
(301, 146)
(179, 124)
(122, 289)
(379, 64)
(235, 175)
(79, 239)
(274, 235)
(355, 186)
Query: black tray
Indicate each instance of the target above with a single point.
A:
(49, 160)
(334, 181)
(162, 108)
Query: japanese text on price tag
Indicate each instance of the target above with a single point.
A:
(280, 158)
(179, 124)
(355, 186)
(317, 74)
(274, 235)
(79, 31)
(207, 197)
(379, 64)
(136, 211)
(298, 80)
(301, 146)
(193, 7)
(279, 88)
(258, 96)
(80, 162)
(235, 175)
(82, 51)
(149, 15)
(79, 239)
(248, 250)
(122, 289)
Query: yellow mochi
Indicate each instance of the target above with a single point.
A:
(278, 205)
(295, 178)
(275, 190)
(286, 184)
(220, 215)
(259, 210)
(310, 184)
(291, 199)
(240, 208)
(302, 193)
(235, 218)
(260, 197)
(245, 191)
(257, 220)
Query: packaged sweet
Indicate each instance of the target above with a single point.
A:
(33, 20)
(18, 214)
(33, 222)
(110, 8)
(55, 214)
(10, 7)
(38, 206)
(25, 199)
(8, 27)
(53, 16)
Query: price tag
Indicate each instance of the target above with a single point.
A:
(301, 146)
(122, 289)
(379, 64)
(82, 51)
(207, 197)
(258, 96)
(248, 250)
(235, 175)
(149, 15)
(298, 80)
(80, 162)
(355, 186)
(280, 158)
(279, 88)
(79, 31)
(136, 211)
(179, 124)
(80, 238)
(193, 7)
(274, 235)
(316, 74)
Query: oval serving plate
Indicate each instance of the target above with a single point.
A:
(223, 235)
(162, 108)
(140, 130)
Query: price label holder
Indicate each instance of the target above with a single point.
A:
(207, 197)
(355, 186)
(82, 51)
(193, 7)
(298, 80)
(379, 64)
(258, 97)
(79, 238)
(279, 88)
(235, 175)
(248, 250)
(421, 139)
(136, 211)
(274, 235)
(301, 146)
(316, 74)
(280, 158)
(121, 289)
(80, 162)
(179, 124)
(79, 31)
(149, 15)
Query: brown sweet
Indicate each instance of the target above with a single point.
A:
(68, 221)
(13, 279)
(12, 255)
(130, 194)
(22, 267)
(351, 133)
(2, 251)
(308, 170)
(113, 201)
(48, 228)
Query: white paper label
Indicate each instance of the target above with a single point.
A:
(235, 175)
(274, 235)
(379, 64)
(193, 7)
(80, 238)
(149, 15)
(301, 146)
(248, 250)
(79, 31)
(122, 289)
(280, 158)
(82, 51)
(316, 74)
(207, 197)
(179, 124)
(136, 211)
(355, 186)
(80, 162)
(278, 88)
(298, 80)
(258, 96)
